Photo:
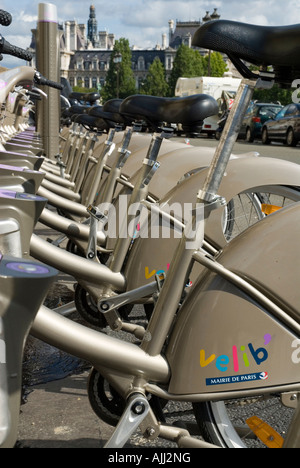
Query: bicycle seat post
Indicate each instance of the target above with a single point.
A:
(139, 193)
(83, 166)
(116, 169)
(229, 135)
(107, 150)
(227, 141)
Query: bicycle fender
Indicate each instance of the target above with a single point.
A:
(151, 255)
(226, 339)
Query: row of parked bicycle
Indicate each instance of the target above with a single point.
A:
(221, 331)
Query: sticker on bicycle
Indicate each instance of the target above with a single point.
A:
(233, 379)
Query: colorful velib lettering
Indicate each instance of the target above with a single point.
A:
(149, 274)
(239, 357)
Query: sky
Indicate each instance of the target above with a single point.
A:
(143, 22)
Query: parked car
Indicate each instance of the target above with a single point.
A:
(284, 127)
(257, 114)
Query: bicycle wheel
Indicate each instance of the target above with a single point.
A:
(240, 213)
(251, 206)
(227, 423)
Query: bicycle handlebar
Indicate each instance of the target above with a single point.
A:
(5, 18)
(7, 48)
(41, 80)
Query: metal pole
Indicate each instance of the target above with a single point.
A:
(228, 139)
(48, 64)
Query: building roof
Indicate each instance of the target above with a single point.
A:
(183, 29)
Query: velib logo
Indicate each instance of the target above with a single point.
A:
(239, 357)
(149, 274)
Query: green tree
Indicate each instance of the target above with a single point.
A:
(155, 84)
(284, 96)
(188, 63)
(119, 76)
(80, 89)
(275, 94)
(214, 64)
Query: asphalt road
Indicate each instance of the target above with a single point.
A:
(274, 150)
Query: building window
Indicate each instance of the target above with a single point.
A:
(87, 82)
(94, 82)
(141, 63)
(95, 65)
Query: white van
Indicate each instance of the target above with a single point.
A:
(213, 87)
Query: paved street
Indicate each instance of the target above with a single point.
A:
(274, 150)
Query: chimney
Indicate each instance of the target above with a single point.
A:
(171, 30)
(67, 36)
(73, 35)
(103, 39)
(82, 29)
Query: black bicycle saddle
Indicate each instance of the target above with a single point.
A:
(277, 46)
(87, 97)
(188, 111)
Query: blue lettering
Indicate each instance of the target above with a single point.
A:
(222, 363)
(160, 272)
(259, 355)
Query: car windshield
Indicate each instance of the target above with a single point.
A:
(269, 111)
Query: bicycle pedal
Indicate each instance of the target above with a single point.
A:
(265, 433)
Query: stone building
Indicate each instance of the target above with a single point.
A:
(85, 57)
(183, 31)
(85, 51)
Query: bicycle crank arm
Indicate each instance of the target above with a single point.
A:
(107, 305)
